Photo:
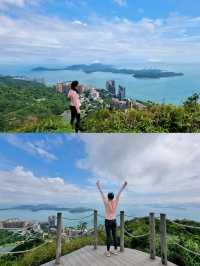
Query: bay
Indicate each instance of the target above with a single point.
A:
(172, 90)
(177, 212)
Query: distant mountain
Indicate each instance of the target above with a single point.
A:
(46, 207)
(143, 73)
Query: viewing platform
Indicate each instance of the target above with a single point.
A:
(89, 256)
(95, 253)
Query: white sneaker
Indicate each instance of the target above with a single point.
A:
(115, 252)
(108, 254)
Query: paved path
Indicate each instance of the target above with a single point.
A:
(67, 116)
(88, 256)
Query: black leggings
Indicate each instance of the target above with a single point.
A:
(75, 116)
(111, 226)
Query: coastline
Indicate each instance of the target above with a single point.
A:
(172, 90)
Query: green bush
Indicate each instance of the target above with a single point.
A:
(20, 100)
(154, 118)
(187, 237)
(44, 254)
(52, 124)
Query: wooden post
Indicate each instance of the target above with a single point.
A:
(59, 238)
(95, 229)
(152, 238)
(163, 239)
(122, 231)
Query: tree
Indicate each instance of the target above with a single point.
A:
(192, 101)
(82, 226)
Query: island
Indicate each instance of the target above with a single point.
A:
(46, 207)
(92, 68)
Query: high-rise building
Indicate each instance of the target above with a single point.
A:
(52, 221)
(62, 87)
(110, 86)
(122, 93)
(15, 223)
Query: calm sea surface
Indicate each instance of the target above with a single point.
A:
(168, 90)
(191, 213)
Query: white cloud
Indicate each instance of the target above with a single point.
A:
(19, 186)
(121, 2)
(75, 3)
(41, 39)
(78, 22)
(6, 4)
(35, 148)
(159, 167)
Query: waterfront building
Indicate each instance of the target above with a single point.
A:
(121, 93)
(117, 104)
(94, 94)
(73, 233)
(110, 86)
(15, 223)
(37, 228)
(52, 221)
(62, 87)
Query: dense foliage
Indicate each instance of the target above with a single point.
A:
(33, 107)
(154, 118)
(23, 102)
(189, 238)
(52, 124)
(45, 253)
(8, 237)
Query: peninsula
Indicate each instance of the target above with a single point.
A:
(46, 207)
(88, 69)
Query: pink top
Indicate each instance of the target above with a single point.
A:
(111, 205)
(74, 100)
(110, 209)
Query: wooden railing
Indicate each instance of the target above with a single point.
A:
(151, 235)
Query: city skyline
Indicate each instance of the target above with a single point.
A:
(120, 32)
(61, 169)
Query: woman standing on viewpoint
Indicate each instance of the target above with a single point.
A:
(75, 105)
(111, 204)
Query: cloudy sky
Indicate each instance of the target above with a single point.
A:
(51, 32)
(64, 169)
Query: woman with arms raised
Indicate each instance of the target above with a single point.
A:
(111, 203)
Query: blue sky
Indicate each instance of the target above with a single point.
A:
(110, 31)
(45, 156)
(63, 169)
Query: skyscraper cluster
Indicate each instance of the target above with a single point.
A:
(111, 87)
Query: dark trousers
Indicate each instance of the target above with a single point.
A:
(75, 116)
(111, 227)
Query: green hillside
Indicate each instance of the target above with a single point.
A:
(187, 237)
(152, 119)
(27, 106)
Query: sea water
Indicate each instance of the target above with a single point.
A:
(189, 212)
(173, 90)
